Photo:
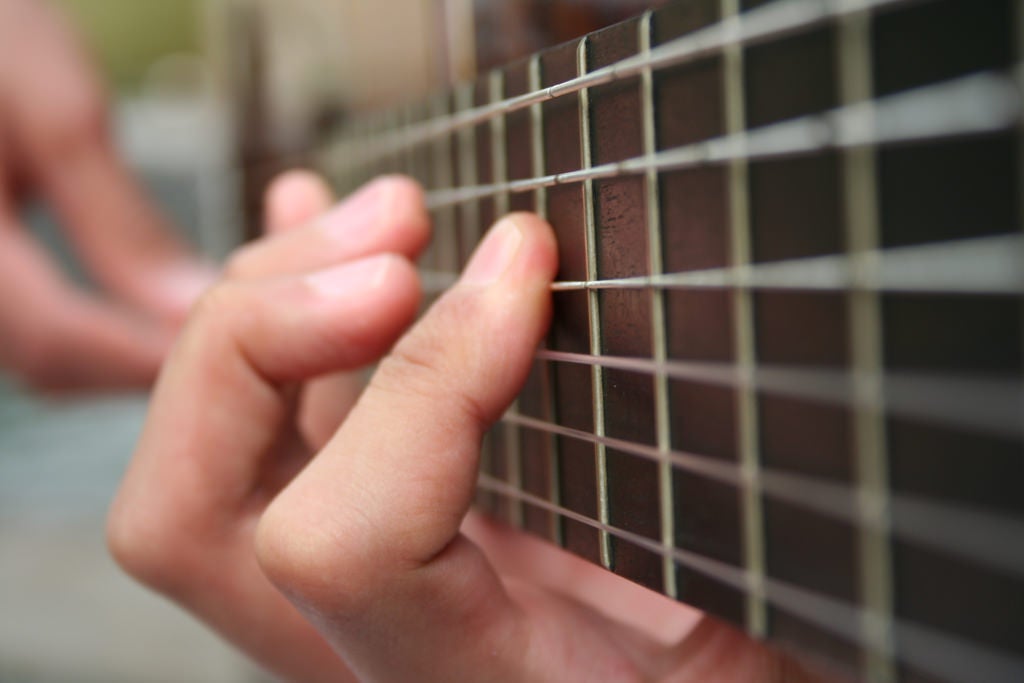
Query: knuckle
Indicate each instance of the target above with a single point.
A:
(216, 304)
(241, 263)
(420, 366)
(125, 542)
(412, 369)
(141, 545)
(275, 549)
(328, 563)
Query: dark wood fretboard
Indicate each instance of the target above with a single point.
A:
(785, 379)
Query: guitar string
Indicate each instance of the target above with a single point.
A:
(971, 105)
(982, 402)
(866, 339)
(755, 26)
(985, 537)
(933, 651)
(656, 297)
(978, 265)
(740, 235)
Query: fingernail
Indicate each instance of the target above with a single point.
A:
(495, 254)
(350, 278)
(182, 284)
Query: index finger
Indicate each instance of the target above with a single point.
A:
(366, 540)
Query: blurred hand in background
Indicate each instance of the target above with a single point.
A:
(55, 146)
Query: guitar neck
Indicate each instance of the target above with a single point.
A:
(784, 378)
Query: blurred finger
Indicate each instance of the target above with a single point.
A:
(294, 199)
(225, 389)
(127, 245)
(57, 338)
(387, 215)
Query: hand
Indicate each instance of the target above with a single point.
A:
(54, 144)
(369, 539)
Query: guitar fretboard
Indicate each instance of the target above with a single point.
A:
(785, 380)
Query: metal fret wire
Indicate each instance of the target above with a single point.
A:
(593, 307)
(659, 332)
(953, 658)
(740, 30)
(987, 538)
(540, 207)
(468, 171)
(443, 175)
(1018, 34)
(866, 344)
(751, 503)
(499, 164)
(969, 105)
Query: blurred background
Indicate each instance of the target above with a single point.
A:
(66, 612)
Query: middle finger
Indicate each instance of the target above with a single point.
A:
(388, 215)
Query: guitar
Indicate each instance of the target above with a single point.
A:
(785, 378)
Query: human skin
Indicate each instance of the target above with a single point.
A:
(55, 147)
(327, 532)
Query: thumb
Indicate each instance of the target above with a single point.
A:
(372, 526)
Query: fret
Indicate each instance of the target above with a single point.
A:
(422, 163)
(693, 215)
(870, 457)
(622, 249)
(467, 227)
(659, 331)
(484, 143)
(570, 330)
(540, 204)
(498, 206)
(519, 141)
(539, 466)
(499, 153)
(443, 252)
(1018, 55)
(593, 308)
(469, 212)
(537, 137)
(739, 229)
